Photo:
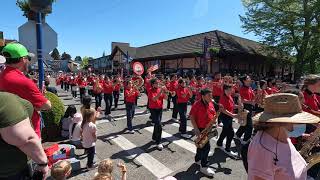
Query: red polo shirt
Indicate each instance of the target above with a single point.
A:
(246, 93)
(158, 103)
(173, 85)
(117, 87)
(227, 102)
(311, 101)
(217, 89)
(147, 84)
(132, 98)
(202, 113)
(193, 84)
(107, 87)
(82, 84)
(181, 92)
(14, 81)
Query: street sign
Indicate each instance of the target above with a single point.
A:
(27, 37)
(138, 68)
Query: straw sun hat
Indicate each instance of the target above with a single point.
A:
(284, 108)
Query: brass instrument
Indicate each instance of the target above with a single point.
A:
(242, 113)
(138, 83)
(259, 99)
(209, 132)
(97, 86)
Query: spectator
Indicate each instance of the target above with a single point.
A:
(75, 130)
(14, 81)
(67, 120)
(50, 89)
(105, 169)
(89, 134)
(18, 141)
(86, 103)
(61, 170)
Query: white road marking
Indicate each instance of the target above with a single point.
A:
(146, 160)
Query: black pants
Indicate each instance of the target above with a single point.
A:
(116, 95)
(22, 175)
(182, 108)
(61, 85)
(82, 93)
(168, 101)
(247, 129)
(156, 115)
(74, 91)
(98, 98)
(175, 107)
(193, 98)
(216, 105)
(66, 87)
(130, 109)
(227, 131)
(108, 101)
(90, 155)
(202, 154)
(244, 155)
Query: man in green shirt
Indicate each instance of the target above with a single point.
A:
(18, 139)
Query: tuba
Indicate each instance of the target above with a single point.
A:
(209, 132)
(97, 86)
(138, 83)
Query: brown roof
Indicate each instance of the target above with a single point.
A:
(188, 45)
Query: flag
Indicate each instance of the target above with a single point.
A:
(153, 68)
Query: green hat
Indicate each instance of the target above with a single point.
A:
(14, 50)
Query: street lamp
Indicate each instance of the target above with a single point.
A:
(40, 7)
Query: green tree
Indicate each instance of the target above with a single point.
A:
(65, 56)
(78, 59)
(290, 26)
(84, 62)
(55, 54)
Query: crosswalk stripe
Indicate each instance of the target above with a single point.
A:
(146, 160)
(178, 141)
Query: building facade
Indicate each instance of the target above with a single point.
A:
(203, 53)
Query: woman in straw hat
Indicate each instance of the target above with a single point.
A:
(271, 154)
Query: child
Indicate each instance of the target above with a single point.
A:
(75, 130)
(105, 170)
(89, 134)
(86, 103)
(61, 170)
(67, 120)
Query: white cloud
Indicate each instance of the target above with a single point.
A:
(201, 8)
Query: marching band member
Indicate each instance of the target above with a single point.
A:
(135, 78)
(217, 90)
(66, 82)
(226, 116)
(272, 89)
(183, 96)
(107, 90)
(117, 83)
(155, 97)
(173, 88)
(261, 94)
(200, 85)
(193, 86)
(247, 96)
(73, 83)
(312, 85)
(130, 94)
(82, 85)
(97, 91)
(202, 112)
(167, 84)
(91, 80)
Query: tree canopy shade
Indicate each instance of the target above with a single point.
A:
(292, 27)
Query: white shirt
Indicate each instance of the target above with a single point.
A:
(88, 139)
(76, 135)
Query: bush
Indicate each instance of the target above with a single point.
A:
(53, 117)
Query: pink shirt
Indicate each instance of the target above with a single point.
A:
(88, 139)
(290, 165)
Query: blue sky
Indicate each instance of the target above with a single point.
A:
(87, 28)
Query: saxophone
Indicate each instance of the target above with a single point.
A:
(311, 158)
(209, 132)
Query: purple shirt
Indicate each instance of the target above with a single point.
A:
(290, 165)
